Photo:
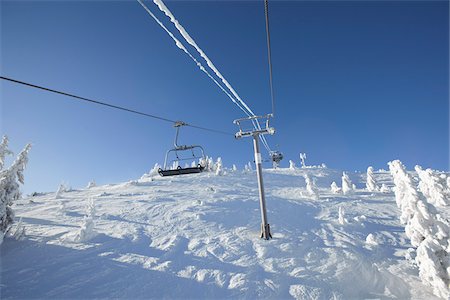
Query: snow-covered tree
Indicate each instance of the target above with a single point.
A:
(302, 159)
(62, 206)
(384, 188)
(427, 230)
(61, 189)
(311, 187)
(341, 216)
(219, 166)
(371, 184)
(86, 231)
(4, 151)
(347, 186)
(208, 164)
(91, 184)
(234, 168)
(9, 189)
(432, 187)
(154, 170)
(291, 165)
(175, 165)
(335, 189)
(248, 167)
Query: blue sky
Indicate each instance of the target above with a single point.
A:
(356, 83)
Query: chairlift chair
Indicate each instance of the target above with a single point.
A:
(167, 171)
(276, 157)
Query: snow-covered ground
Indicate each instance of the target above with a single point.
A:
(197, 236)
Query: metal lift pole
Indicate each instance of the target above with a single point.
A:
(265, 227)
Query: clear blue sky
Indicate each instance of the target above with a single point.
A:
(357, 83)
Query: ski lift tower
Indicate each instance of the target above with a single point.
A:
(265, 227)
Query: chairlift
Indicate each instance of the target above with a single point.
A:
(276, 157)
(175, 168)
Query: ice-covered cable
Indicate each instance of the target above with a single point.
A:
(182, 47)
(240, 103)
(191, 41)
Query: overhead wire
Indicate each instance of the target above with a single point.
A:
(92, 101)
(269, 54)
(236, 99)
(269, 58)
(181, 46)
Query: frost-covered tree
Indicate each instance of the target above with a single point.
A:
(302, 159)
(209, 164)
(62, 206)
(384, 188)
(335, 189)
(248, 167)
(91, 184)
(9, 189)
(86, 231)
(61, 189)
(311, 187)
(341, 216)
(371, 184)
(427, 230)
(4, 151)
(291, 165)
(432, 187)
(154, 170)
(219, 166)
(347, 186)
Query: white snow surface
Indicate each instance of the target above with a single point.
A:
(197, 236)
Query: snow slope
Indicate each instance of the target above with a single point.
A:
(197, 236)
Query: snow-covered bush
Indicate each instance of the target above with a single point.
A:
(347, 186)
(291, 165)
(426, 229)
(311, 188)
(86, 231)
(432, 187)
(302, 159)
(9, 185)
(335, 189)
(371, 184)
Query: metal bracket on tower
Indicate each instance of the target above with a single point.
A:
(265, 227)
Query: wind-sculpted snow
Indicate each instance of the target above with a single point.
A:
(197, 236)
